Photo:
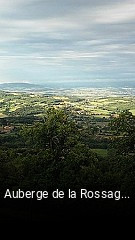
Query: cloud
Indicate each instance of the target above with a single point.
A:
(79, 20)
(66, 37)
(115, 13)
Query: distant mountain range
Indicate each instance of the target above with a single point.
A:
(19, 86)
(24, 87)
(64, 85)
(71, 89)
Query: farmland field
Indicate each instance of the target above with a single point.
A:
(14, 104)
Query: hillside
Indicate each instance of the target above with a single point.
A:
(18, 86)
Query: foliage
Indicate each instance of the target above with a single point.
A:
(123, 129)
(55, 154)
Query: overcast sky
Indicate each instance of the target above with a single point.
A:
(67, 40)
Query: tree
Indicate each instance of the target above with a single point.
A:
(56, 133)
(123, 128)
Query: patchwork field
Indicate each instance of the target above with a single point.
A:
(16, 104)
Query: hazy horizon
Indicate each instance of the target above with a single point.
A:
(66, 85)
(68, 42)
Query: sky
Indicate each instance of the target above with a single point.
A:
(44, 41)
